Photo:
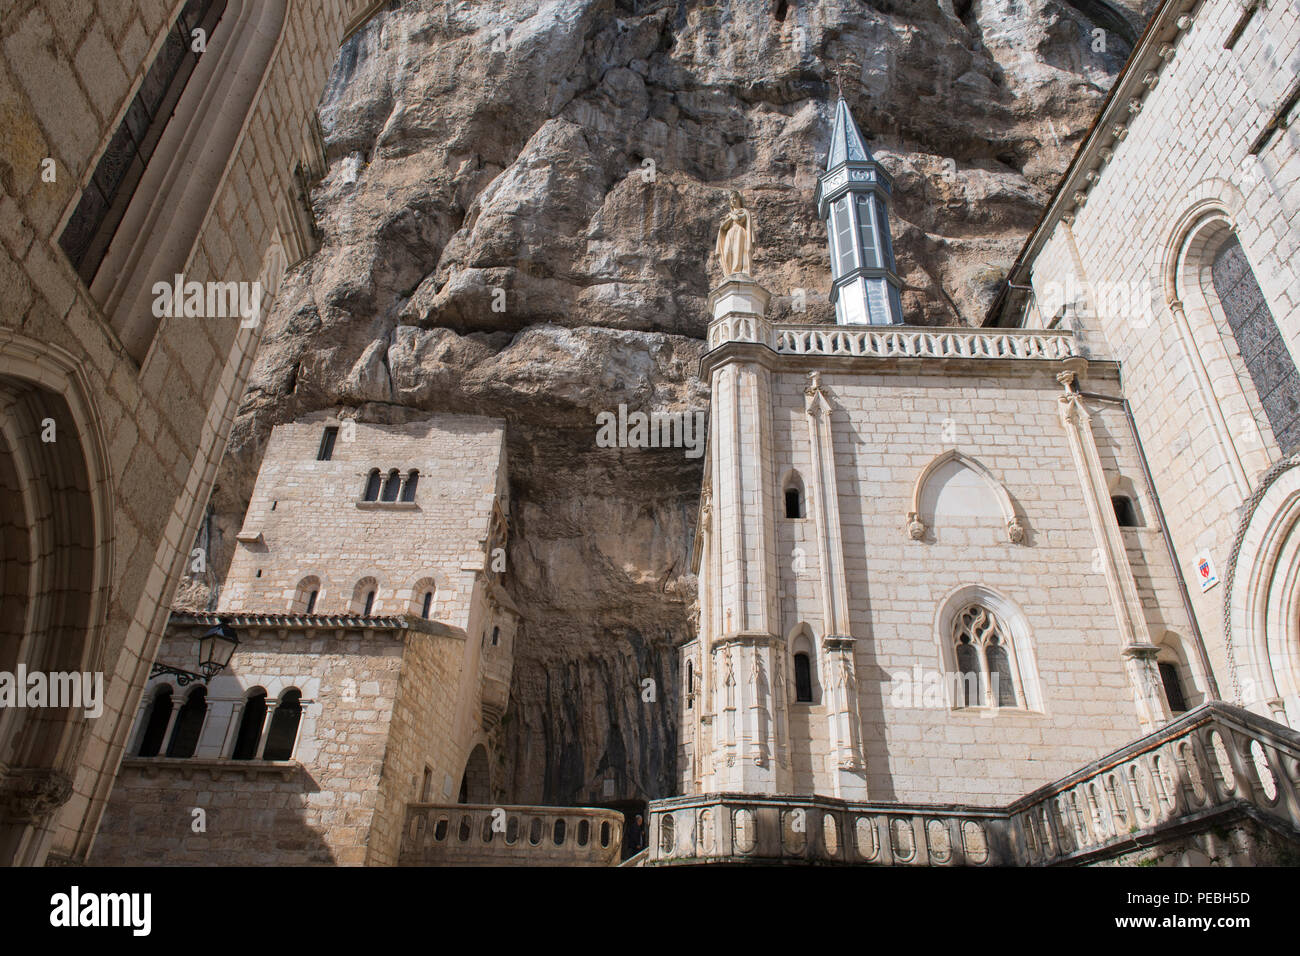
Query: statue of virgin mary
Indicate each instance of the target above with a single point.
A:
(735, 237)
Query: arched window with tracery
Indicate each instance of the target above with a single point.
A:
(985, 659)
(1263, 350)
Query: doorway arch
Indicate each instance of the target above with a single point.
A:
(55, 569)
(476, 782)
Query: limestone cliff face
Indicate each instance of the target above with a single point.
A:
(518, 219)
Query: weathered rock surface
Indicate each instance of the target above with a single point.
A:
(518, 221)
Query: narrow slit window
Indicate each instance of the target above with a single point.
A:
(867, 230)
(327, 440)
(803, 690)
(95, 221)
(1125, 513)
(1173, 687)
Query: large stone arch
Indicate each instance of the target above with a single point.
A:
(1262, 603)
(476, 780)
(1207, 222)
(56, 565)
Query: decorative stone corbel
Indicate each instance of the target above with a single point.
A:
(915, 526)
(1015, 531)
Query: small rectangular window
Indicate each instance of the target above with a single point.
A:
(311, 602)
(327, 443)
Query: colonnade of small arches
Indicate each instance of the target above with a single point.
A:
(263, 729)
(391, 488)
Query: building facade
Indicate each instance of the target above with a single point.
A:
(145, 143)
(1193, 164)
(947, 568)
(374, 660)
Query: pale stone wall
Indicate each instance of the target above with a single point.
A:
(888, 423)
(888, 428)
(1186, 154)
(313, 522)
(67, 76)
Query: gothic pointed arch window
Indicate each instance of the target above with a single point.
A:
(1263, 351)
(986, 674)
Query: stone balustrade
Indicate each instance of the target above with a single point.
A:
(483, 835)
(914, 342)
(1210, 764)
(744, 828)
(1211, 761)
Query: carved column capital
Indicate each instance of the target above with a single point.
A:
(32, 795)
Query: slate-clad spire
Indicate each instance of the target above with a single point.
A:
(853, 201)
(846, 140)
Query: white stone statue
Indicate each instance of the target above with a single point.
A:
(735, 238)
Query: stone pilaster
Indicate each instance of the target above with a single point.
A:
(1139, 652)
(749, 730)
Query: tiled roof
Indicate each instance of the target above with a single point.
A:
(287, 620)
